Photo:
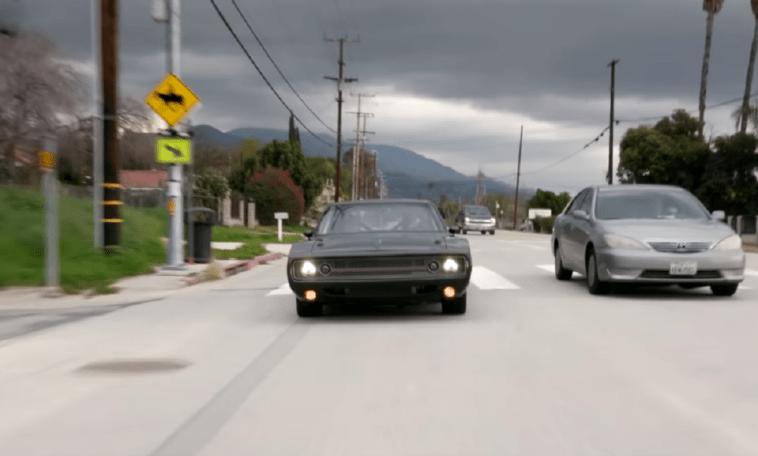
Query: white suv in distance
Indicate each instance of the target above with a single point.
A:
(475, 218)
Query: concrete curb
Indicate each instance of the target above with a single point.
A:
(238, 267)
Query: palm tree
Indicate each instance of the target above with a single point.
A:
(745, 111)
(711, 7)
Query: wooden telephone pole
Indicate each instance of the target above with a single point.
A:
(518, 176)
(340, 80)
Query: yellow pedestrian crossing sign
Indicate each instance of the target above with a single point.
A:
(173, 150)
(171, 99)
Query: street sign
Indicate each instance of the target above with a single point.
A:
(171, 99)
(173, 150)
(281, 215)
(46, 160)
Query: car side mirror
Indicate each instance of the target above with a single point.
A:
(308, 234)
(719, 215)
(581, 214)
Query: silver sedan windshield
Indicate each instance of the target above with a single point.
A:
(652, 204)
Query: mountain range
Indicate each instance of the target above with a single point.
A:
(407, 174)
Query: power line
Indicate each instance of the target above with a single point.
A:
(277, 67)
(221, 15)
(717, 105)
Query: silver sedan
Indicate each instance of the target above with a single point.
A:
(646, 234)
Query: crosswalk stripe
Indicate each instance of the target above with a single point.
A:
(283, 290)
(485, 279)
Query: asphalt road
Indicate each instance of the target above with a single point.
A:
(535, 367)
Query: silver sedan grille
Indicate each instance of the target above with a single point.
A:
(680, 247)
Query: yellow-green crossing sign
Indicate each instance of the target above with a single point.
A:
(173, 150)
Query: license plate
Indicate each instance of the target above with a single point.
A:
(683, 268)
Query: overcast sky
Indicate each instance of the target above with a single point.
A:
(454, 79)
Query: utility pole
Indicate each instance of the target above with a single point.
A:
(97, 128)
(340, 80)
(363, 147)
(610, 138)
(356, 149)
(518, 176)
(111, 186)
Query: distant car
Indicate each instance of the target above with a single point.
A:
(646, 234)
(380, 251)
(475, 218)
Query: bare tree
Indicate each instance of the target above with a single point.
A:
(37, 92)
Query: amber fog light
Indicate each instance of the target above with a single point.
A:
(449, 292)
(310, 295)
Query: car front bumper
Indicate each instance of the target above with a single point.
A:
(382, 290)
(651, 267)
(478, 226)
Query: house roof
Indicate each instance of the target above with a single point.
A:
(143, 178)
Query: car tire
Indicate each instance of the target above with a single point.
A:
(308, 309)
(484, 233)
(561, 273)
(454, 306)
(463, 231)
(727, 289)
(596, 286)
(492, 232)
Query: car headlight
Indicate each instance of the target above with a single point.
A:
(466, 219)
(307, 268)
(733, 242)
(492, 220)
(615, 241)
(450, 265)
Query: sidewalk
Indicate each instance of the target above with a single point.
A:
(136, 289)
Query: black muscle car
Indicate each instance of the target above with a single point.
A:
(378, 252)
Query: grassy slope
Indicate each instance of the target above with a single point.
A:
(253, 239)
(22, 250)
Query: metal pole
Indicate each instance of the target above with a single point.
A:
(97, 130)
(610, 137)
(50, 184)
(191, 205)
(175, 248)
(518, 177)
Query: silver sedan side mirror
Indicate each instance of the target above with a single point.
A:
(581, 214)
(719, 215)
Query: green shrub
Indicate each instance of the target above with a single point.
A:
(543, 224)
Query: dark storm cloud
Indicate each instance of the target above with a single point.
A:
(542, 59)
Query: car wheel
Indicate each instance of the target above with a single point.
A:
(455, 306)
(724, 290)
(308, 309)
(463, 231)
(561, 273)
(484, 233)
(594, 283)
(492, 232)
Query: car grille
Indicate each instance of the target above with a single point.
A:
(378, 266)
(680, 247)
(662, 274)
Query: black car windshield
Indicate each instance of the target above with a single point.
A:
(477, 211)
(361, 218)
(653, 204)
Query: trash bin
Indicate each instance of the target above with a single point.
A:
(204, 219)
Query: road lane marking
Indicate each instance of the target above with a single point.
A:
(524, 244)
(751, 272)
(283, 290)
(485, 279)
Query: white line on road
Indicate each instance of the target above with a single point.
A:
(486, 279)
(283, 290)
(546, 267)
(751, 272)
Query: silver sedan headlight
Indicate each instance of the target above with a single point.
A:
(616, 241)
(733, 242)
